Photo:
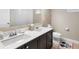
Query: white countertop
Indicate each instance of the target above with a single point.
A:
(30, 36)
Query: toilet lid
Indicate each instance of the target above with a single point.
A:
(56, 34)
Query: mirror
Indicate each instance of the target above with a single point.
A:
(4, 18)
(12, 18)
(15, 17)
(18, 17)
(21, 16)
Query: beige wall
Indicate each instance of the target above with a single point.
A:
(62, 19)
(44, 17)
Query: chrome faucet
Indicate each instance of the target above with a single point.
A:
(13, 34)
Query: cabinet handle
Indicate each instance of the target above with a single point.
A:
(27, 47)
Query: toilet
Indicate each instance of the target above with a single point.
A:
(59, 42)
(56, 36)
(56, 40)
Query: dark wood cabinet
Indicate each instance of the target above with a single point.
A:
(30, 45)
(49, 40)
(42, 42)
(22, 47)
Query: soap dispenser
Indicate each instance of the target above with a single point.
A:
(31, 27)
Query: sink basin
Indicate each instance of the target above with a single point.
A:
(32, 33)
(15, 39)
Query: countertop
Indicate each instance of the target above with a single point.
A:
(30, 36)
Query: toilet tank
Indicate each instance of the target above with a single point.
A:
(56, 36)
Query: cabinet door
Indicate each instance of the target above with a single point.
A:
(49, 39)
(42, 42)
(32, 44)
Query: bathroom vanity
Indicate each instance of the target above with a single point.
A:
(36, 39)
(42, 42)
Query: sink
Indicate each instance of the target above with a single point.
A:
(32, 33)
(15, 39)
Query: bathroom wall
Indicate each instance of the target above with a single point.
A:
(62, 20)
(44, 17)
